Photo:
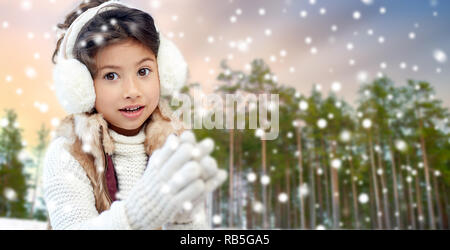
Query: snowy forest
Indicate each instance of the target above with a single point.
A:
(381, 163)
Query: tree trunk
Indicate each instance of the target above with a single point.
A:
(294, 209)
(427, 177)
(248, 209)
(387, 217)
(373, 209)
(354, 194)
(346, 209)
(418, 198)
(269, 208)
(335, 192)
(319, 189)
(312, 192)
(325, 175)
(278, 220)
(219, 203)
(230, 187)
(419, 203)
(300, 167)
(438, 202)
(446, 206)
(394, 183)
(239, 181)
(263, 148)
(412, 217)
(375, 185)
(288, 191)
(403, 195)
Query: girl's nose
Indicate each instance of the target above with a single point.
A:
(131, 90)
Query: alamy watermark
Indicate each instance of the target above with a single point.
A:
(213, 111)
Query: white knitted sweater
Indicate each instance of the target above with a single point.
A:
(69, 195)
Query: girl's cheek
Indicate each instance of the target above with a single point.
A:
(105, 97)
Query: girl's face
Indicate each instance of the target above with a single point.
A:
(127, 75)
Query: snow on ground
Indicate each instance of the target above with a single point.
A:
(17, 224)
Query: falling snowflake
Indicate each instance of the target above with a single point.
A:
(10, 194)
(262, 12)
(282, 197)
(336, 86)
(367, 123)
(265, 180)
(440, 56)
(336, 163)
(30, 72)
(303, 14)
(26, 5)
(257, 207)
(303, 190)
(4, 122)
(303, 105)
(322, 123)
(363, 198)
(251, 177)
(217, 219)
(400, 145)
(345, 136)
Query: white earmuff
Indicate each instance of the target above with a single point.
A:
(172, 67)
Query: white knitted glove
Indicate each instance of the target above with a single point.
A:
(171, 179)
(213, 177)
(192, 211)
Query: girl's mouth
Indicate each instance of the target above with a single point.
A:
(132, 113)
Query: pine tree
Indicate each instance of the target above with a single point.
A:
(13, 185)
(424, 113)
(261, 81)
(233, 81)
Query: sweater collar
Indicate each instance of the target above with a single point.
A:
(131, 140)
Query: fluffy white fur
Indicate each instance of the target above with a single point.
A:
(173, 69)
(74, 86)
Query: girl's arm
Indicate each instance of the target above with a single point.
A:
(69, 195)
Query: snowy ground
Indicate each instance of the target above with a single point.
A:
(16, 224)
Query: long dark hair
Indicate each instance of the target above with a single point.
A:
(106, 28)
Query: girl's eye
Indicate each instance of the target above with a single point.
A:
(110, 76)
(142, 71)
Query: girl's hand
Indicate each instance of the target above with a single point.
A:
(211, 175)
(171, 179)
(192, 210)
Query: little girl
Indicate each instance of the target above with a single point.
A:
(120, 160)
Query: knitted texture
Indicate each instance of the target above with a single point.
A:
(129, 160)
(169, 181)
(69, 195)
(198, 223)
